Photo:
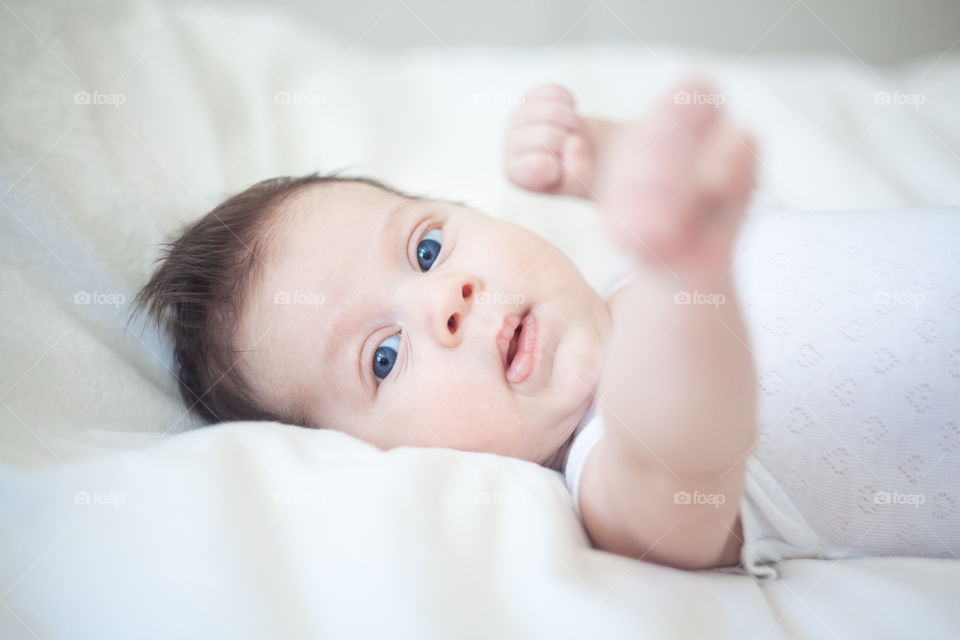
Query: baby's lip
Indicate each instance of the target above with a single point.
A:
(510, 323)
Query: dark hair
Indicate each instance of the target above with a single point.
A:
(198, 291)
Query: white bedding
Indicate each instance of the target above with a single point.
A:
(263, 530)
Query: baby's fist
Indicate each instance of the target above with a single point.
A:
(547, 146)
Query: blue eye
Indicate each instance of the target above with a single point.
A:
(429, 249)
(386, 356)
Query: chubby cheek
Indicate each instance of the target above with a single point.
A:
(519, 247)
(456, 413)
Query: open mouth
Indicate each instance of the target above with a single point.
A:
(516, 342)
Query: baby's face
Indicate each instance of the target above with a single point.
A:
(379, 316)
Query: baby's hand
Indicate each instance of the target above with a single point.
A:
(548, 147)
(675, 185)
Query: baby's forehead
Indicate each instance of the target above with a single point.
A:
(336, 203)
(320, 225)
(326, 218)
(320, 241)
(317, 243)
(353, 199)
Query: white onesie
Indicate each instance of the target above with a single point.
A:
(854, 321)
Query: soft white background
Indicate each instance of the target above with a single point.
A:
(253, 530)
(873, 31)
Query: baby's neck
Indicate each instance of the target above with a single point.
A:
(556, 460)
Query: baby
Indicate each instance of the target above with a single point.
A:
(335, 302)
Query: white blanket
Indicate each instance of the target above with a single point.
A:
(122, 121)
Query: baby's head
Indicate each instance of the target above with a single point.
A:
(340, 303)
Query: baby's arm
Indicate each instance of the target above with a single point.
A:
(677, 396)
(678, 389)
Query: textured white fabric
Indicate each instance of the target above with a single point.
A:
(588, 432)
(854, 319)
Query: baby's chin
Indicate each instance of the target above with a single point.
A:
(577, 365)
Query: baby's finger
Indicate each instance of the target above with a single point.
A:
(555, 113)
(539, 137)
(577, 169)
(550, 92)
(534, 170)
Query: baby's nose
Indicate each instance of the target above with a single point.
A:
(452, 304)
(466, 301)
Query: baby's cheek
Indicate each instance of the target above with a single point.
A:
(457, 415)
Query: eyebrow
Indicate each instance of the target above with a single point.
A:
(347, 349)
